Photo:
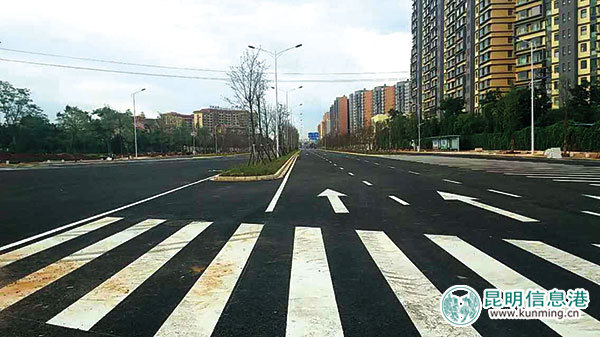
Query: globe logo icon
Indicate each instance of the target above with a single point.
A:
(460, 305)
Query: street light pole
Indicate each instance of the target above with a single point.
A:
(134, 126)
(532, 103)
(275, 54)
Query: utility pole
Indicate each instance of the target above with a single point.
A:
(134, 126)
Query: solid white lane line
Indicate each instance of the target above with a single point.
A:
(413, 172)
(592, 196)
(576, 181)
(597, 185)
(198, 312)
(23, 252)
(350, 173)
(504, 193)
(398, 200)
(570, 262)
(564, 177)
(591, 213)
(92, 307)
(367, 183)
(312, 309)
(419, 297)
(273, 202)
(35, 281)
(73, 224)
(452, 181)
(503, 277)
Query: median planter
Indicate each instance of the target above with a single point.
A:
(280, 173)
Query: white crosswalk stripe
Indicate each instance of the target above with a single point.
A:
(88, 310)
(34, 248)
(312, 306)
(503, 277)
(31, 283)
(312, 309)
(197, 314)
(570, 262)
(416, 293)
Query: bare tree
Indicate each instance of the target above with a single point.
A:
(248, 82)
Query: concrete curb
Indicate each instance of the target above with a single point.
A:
(277, 175)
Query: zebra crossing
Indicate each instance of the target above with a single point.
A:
(312, 306)
(556, 172)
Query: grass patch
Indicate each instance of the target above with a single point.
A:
(261, 169)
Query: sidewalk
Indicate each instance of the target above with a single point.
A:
(576, 158)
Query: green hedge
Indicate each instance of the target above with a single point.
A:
(579, 138)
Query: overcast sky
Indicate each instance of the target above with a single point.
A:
(337, 36)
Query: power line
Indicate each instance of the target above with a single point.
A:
(190, 68)
(193, 77)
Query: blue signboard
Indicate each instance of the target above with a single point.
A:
(313, 136)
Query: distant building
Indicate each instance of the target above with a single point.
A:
(402, 94)
(177, 119)
(231, 119)
(384, 99)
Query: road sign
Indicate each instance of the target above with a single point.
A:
(313, 136)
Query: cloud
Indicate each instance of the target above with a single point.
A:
(338, 36)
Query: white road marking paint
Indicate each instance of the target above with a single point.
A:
(413, 172)
(591, 213)
(350, 173)
(198, 312)
(34, 248)
(597, 245)
(273, 202)
(334, 164)
(335, 201)
(419, 297)
(504, 193)
(597, 185)
(591, 196)
(398, 200)
(570, 262)
(312, 309)
(452, 181)
(16, 291)
(503, 277)
(341, 168)
(391, 167)
(73, 224)
(367, 183)
(563, 177)
(472, 201)
(377, 164)
(92, 307)
(577, 181)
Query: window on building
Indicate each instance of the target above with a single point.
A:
(583, 47)
(584, 64)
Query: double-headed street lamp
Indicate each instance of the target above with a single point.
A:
(531, 46)
(275, 54)
(134, 126)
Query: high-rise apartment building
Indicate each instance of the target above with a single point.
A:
(415, 56)
(338, 115)
(494, 47)
(458, 41)
(384, 99)
(403, 97)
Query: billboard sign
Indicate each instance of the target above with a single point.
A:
(313, 136)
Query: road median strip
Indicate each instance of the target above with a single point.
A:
(280, 173)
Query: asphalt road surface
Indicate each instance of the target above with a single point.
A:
(344, 245)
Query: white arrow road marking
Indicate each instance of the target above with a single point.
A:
(570, 262)
(452, 181)
(334, 200)
(591, 213)
(503, 277)
(505, 193)
(398, 200)
(350, 173)
(471, 201)
(367, 183)
(591, 196)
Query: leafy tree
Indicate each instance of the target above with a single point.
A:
(16, 103)
(76, 124)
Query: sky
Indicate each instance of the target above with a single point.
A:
(337, 37)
